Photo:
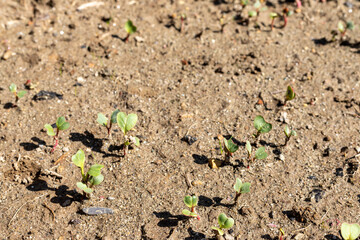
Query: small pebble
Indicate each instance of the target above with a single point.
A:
(189, 139)
(196, 183)
(283, 117)
(110, 198)
(282, 157)
(357, 149)
(81, 80)
(65, 149)
(97, 210)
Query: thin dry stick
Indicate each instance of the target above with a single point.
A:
(301, 229)
(22, 206)
(53, 214)
(61, 158)
(188, 181)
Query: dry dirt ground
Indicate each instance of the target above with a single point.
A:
(200, 82)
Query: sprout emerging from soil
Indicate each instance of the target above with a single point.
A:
(182, 19)
(191, 202)
(286, 14)
(281, 234)
(241, 188)
(103, 121)
(342, 29)
(229, 148)
(127, 123)
(290, 94)
(93, 176)
(130, 29)
(350, 231)
(224, 223)
(259, 154)
(17, 94)
(61, 125)
(261, 126)
(288, 133)
(272, 17)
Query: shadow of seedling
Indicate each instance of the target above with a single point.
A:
(195, 235)
(200, 159)
(89, 140)
(9, 105)
(169, 220)
(64, 197)
(216, 201)
(30, 146)
(332, 237)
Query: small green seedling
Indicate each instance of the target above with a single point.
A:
(272, 17)
(127, 123)
(191, 202)
(224, 223)
(229, 147)
(288, 133)
(350, 231)
(92, 177)
(241, 188)
(259, 154)
(17, 94)
(342, 29)
(243, 3)
(261, 126)
(103, 121)
(130, 29)
(290, 94)
(61, 125)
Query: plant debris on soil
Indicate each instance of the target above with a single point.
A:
(188, 80)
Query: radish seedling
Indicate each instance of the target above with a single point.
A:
(229, 148)
(288, 133)
(224, 223)
(191, 202)
(130, 29)
(92, 177)
(17, 94)
(241, 188)
(350, 231)
(286, 14)
(259, 154)
(290, 94)
(126, 123)
(61, 125)
(342, 29)
(103, 121)
(261, 126)
(273, 16)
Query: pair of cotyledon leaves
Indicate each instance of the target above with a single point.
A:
(260, 152)
(93, 175)
(13, 89)
(224, 222)
(125, 122)
(61, 124)
(350, 231)
(190, 201)
(240, 187)
(261, 125)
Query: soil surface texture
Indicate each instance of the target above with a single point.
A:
(193, 71)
